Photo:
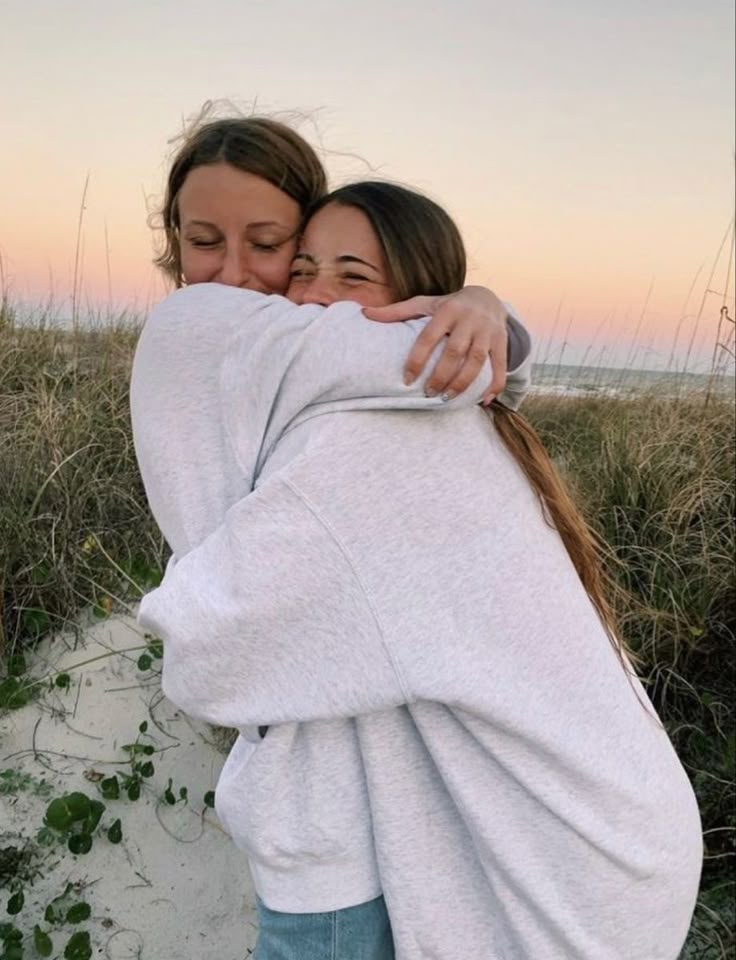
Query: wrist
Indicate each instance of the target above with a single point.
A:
(488, 301)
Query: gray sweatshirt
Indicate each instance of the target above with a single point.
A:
(391, 586)
(300, 809)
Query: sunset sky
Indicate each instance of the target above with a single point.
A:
(586, 149)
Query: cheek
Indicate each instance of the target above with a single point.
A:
(272, 271)
(195, 266)
(377, 297)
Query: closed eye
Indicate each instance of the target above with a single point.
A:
(356, 278)
(202, 242)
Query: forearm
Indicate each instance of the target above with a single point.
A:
(265, 622)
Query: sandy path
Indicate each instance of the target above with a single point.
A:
(175, 888)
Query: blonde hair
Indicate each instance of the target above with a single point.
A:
(259, 145)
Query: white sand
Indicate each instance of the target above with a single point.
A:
(175, 888)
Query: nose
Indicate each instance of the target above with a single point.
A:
(320, 290)
(234, 267)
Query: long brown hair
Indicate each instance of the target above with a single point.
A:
(258, 145)
(424, 254)
(586, 549)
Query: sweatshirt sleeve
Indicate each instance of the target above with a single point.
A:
(267, 622)
(335, 355)
(519, 362)
(339, 355)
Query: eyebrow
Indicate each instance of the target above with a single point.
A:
(345, 258)
(257, 223)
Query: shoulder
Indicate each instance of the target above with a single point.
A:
(202, 303)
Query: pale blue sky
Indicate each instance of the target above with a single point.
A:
(586, 149)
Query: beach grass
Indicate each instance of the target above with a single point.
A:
(654, 475)
(74, 525)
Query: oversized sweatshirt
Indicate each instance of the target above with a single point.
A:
(393, 569)
(301, 810)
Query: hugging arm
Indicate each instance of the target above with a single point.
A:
(266, 622)
(219, 373)
(477, 325)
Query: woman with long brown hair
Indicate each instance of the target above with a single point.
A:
(418, 575)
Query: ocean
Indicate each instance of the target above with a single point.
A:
(570, 380)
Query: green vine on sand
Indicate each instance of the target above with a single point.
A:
(75, 820)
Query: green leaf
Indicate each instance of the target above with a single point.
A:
(183, 793)
(52, 915)
(145, 662)
(62, 681)
(169, 794)
(10, 933)
(71, 808)
(13, 951)
(134, 790)
(57, 815)
(15, 903)
(56, 910)
(135, 748)
(146, 769)
(79, 805)
(91, 821)
(145, 576)
(78, 947)
(110, 788)
(79, 912)
(156, 649)
(209, 798)
(80, 843)
(115, 833)
(143, 727)
(42, 942)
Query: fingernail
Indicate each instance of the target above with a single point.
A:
(408, 379)
(450, 395)
(430, 392)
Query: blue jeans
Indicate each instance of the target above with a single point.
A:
(355, 933)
